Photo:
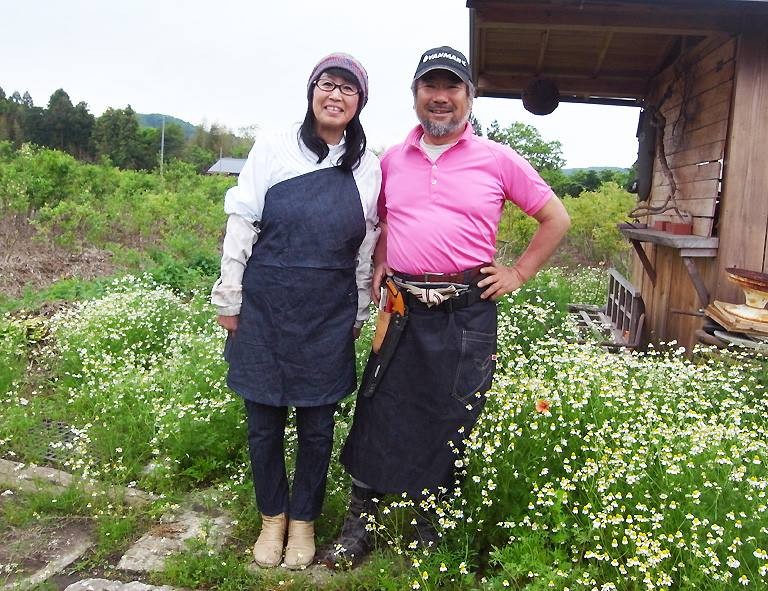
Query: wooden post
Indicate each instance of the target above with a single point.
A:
(744, 207)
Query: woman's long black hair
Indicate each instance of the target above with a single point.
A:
(354, 136)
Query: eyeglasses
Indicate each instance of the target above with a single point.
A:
(327, 86)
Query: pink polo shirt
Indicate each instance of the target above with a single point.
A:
(442, 217)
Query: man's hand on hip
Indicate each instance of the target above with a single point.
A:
(500, 280)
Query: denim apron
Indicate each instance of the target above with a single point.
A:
(294, 343)
(408, 436)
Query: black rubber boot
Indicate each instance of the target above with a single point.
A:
(354, 542)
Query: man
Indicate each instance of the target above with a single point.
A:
(442, 197)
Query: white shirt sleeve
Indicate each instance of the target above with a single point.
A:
(239, 239)
(246, 199)
(368, 179)
(243, 204)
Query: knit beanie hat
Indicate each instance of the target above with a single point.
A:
(346, 62)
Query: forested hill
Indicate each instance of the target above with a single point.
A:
(570, 171)
(155, 120)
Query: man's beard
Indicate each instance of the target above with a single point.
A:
(442, 129)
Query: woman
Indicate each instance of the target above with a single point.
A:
(293, 293)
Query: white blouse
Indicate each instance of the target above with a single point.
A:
(274, 158)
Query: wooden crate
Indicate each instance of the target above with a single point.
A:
(621, 320)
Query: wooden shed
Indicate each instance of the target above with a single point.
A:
(699, 69)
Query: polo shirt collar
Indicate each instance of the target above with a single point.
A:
(417, 132)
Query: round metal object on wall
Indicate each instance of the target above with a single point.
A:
(541, 96)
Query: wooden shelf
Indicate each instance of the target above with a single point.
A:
(689, 247)
(700, 246)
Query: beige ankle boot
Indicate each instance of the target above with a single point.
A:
(268, 549)
(300, 550)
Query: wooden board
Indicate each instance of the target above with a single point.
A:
(682, 326)
(689, 174)
(744, 210)
(705, 153)
(696, 207)
(693, 139)
(641, 280)
(701, 85)
(705, 109)
(695, 190)
(665, 261)
(674, 291)
(705, 59)
(703, 226)
(705, 68)
(672, 241)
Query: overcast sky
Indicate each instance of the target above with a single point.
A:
(246, 63)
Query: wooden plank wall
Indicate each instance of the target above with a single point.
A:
(697, 116)
(697, 113)
(744, 209)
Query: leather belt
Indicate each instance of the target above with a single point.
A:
(467, 276)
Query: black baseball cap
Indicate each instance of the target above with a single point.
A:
(444, 58)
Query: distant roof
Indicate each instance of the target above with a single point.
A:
(227, 166)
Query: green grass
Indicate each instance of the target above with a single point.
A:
(24, 509)
(646, 470)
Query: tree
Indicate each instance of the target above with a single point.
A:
(31, 126)
(174, 142)
(69, 126)
(57, 119)
(15, 116)
(476, 125)
(526, 141)
(148, 157)
(199, 157)
(81, 131)
(591, 179)
(116, 136)
(5, 107)
(249, 132)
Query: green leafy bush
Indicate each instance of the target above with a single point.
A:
(595, 215)
(593, 235)
(133, 214)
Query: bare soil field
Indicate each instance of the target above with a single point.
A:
(29, 261)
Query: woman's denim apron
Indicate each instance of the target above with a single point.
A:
(294, 343)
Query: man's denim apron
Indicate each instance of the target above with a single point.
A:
(408, 436)
(294, 343)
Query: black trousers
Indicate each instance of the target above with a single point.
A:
(266, 443)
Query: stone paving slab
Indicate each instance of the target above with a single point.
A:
(107, 585)
(31, 478)
(77, 548)
(148, 554)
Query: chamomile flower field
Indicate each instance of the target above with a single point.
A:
(587, 470)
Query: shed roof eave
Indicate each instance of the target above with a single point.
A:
(592, 100)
